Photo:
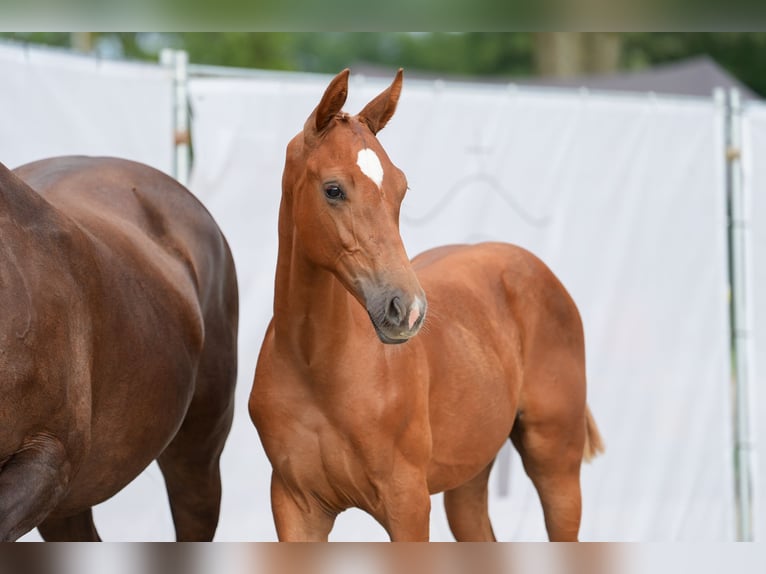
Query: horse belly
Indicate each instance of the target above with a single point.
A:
(466, 440)
(474, 394)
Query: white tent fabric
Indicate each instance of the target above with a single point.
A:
(623, 196)
(54, 103)
(754, 181)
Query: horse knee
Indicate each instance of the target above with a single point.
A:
(32, 483)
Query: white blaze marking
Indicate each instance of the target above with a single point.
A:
(368, 162)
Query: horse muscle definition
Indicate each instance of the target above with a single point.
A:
(360, 401)
(118, 344)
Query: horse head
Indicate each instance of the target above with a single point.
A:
(344, 195)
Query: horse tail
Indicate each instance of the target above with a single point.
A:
(594, 444)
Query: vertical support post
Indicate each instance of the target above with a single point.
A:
(178, 61)
(740, 320)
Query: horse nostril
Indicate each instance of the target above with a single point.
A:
(395, 312)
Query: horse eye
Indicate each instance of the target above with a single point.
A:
(332, 191)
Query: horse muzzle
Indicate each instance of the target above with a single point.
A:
(396, 316)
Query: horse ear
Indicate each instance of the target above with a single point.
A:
(332, 101)
(377, 113)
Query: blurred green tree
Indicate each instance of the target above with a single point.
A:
(498, 54)
(742, 54)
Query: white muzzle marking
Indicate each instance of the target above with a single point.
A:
(415, 312)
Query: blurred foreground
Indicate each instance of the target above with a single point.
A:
(347, 558)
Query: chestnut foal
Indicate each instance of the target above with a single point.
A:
(355, 411)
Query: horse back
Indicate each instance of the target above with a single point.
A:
(496, 276)
(125, 204)
(500, 291)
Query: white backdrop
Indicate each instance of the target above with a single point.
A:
(54, 103)
(754, 181)
(622, 196)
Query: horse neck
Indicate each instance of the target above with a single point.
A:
(312, 309)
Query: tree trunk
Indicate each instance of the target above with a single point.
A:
(566, 54)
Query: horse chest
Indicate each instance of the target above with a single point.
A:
(335, 413)
(335, 438)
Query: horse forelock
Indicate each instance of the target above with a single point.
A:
(355, 130)
(344, 132)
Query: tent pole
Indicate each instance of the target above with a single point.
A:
(178, 61)
(738, 237)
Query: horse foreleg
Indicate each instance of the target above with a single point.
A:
(468, 509)
(76, 528)
(406, 508)
(32, 482)
(298, 518)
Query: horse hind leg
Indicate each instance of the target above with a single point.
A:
(467, 509)
(551, 451)
(75, 528)
(191, 468)
(191, 462)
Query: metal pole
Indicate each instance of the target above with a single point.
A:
(178, 60)
(741, 329)
(183, 138)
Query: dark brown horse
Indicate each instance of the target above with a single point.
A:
(350, 418)
(118, 344)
